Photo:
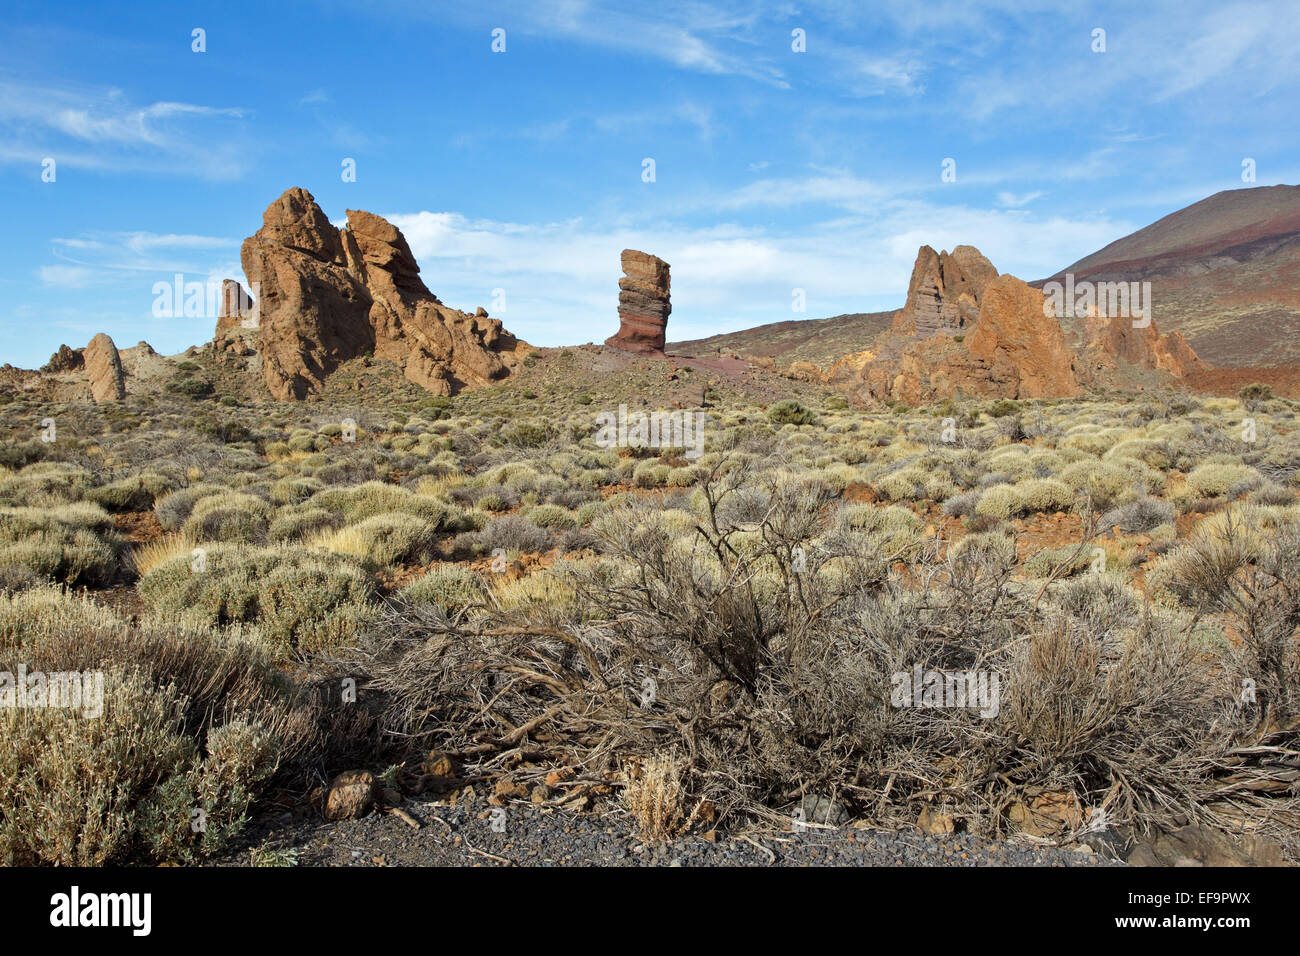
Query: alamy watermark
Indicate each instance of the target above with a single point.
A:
(203, 300)
(62, 690)
(659, 429)
(977, 690)
(1110, 299)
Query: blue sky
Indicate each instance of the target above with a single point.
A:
(522, 171)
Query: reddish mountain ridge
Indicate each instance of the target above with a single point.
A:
(1225, 271)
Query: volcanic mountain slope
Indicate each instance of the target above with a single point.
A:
(818, 342)
(1225, 271)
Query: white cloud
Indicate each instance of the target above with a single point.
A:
(561, 278)
(101, 128)
(1016, 201)
(62, 276)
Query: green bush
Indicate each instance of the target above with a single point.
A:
(45, 481)
(137, 493)
(1217, 478)
(228, 516)
(552, 517)
(372, 498)
(453, 587)
(1000, 501)
(73, 544)
(191, 387)
(174, 508)
(190, 720)
(386, 540)
(297, 524)
(789, 412)
(1043, 494)
(284, 591)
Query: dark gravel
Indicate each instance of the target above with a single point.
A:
(463, 836)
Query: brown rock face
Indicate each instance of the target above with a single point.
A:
(1022, 343)
(439, 348)
(1176, 357)
(330, 295)
(351, 795)
(65, 360)
(1115, 341)
(943, 295)
(965, 330)
(237, 312)
(104, 370)
(643, 304)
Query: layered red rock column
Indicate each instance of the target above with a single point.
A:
(643, 304)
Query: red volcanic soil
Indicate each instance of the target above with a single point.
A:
(714, 363)
(1285, 380)
(724, 365)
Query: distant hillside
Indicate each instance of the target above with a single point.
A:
(1225, 270)
(816, 341)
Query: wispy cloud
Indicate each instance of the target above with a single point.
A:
(99, 258)
(103, 129)
(1016, 201)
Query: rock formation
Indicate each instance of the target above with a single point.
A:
(328, 295)
(104, 370)
(943, 295)
(643, 304)
(964, 330)
(1115, 343)
(237, 321)
(65, 360)
(1176, 356)
(238, 311)
(1023, 346)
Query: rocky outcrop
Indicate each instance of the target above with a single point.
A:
(440, 348)
(1176, 356)
(104, 370)
(237, 311)
(965, 330)
(65, 360)
(328, 295)
(643, 304)
(1116, 343)
(1022, 343)
(944, 293)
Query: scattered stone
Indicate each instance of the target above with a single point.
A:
(1197, 845)
(65, 360)
(934, 823)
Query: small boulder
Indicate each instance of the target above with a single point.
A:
(351, 795)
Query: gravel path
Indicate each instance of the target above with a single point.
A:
(464, 836)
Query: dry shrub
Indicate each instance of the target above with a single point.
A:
(193, 719)
(760, 642)
(1238, 567)
(657, 797)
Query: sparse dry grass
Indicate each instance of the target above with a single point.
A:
(770, 589)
